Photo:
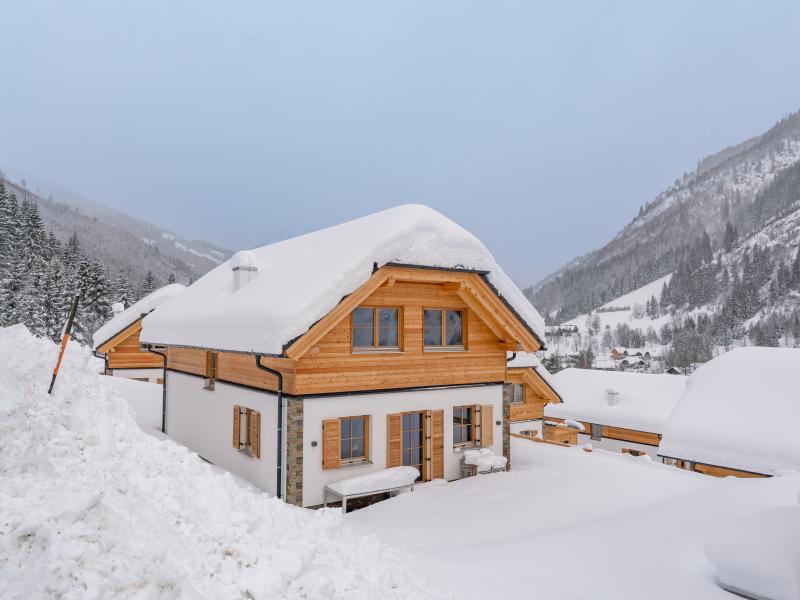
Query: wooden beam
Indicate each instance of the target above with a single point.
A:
(452, 287)
(479, 309)
(121, 336)
(390, 282)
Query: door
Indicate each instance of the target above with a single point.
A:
(413, 454)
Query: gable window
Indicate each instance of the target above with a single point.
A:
(443, 328)
(247, 431)
(463, 425)
(375, 328)
(353, 439)
(516, 393)
(211, 370)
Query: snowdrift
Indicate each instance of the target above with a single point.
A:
(92, 507)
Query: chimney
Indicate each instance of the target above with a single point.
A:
(612, 396)
(117, 307)
(244, 267)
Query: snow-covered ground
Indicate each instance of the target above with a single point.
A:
(92, 507)
(570, 524)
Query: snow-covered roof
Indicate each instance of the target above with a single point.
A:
(645, 400)
(302, 279)
(740, 411)
(529, 360)
(135, 312)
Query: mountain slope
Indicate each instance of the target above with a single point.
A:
(120, 242)
(750, 186)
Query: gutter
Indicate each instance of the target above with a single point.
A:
(163, 355)
(279, 461)
(104, 358)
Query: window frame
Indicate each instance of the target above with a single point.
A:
(212, 369)
(375, 348)
(470, 426)
(443, 346)
(347, 462)
(513, 396)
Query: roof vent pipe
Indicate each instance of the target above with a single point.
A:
(117, 307)
(612, 396)
(244, 267)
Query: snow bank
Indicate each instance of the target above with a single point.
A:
(380, 480)
(715, 421)
(135, 312)
(759, 555)
(302, 279)
(645, 400)
(91, 507)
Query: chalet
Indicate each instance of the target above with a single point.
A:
(529, 387)
(618, 411)
(736, 415)
(117, 341)
(377, 343)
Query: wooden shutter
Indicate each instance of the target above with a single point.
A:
(331, 439)
(394, 440)
(236, 432)
(255, 434)
(437, 444)
(487, 425)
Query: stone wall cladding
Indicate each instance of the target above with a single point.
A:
(294, 451)
(507, 425)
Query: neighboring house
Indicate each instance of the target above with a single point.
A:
(529, 387)
(673, 371)
(738, 414)
(118, 339)
(619, 411)
(376, 343)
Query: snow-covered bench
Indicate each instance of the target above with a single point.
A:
(481, 462)
(388, 481)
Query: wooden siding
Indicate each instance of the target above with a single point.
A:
(124, 352)
(619, 433)
(724, 472)
(535, 399)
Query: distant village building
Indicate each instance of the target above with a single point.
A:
(738, 415)
(618, 411)
(374, 344)
(117, 341)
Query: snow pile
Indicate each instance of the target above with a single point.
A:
(759, 555)
(302, 279)
(91, 507)
(645, 401)
(135, 312)
(372, 482)
(717, 420)
(484, 459)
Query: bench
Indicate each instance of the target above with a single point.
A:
(390, 481)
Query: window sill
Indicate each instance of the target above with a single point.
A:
(444, 349)
(354, 463)
(462, 447)
(377, 351)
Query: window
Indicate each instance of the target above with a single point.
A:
(211, 370)
(463, 425)
(247, 431)
(353, 436)
(413, 445)
(516, 393)
(376, 328)
(597, 432)
(443, 328)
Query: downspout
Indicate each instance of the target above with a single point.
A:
(163, 388)
(512, 357)
(104, 358)
(279, 376)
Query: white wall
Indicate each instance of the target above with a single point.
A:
(203, 421)
(152, 375)
(377, 406)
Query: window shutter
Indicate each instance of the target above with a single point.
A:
(394, 440)
(255, 433)
(487, 425)
(331, 438)
(236, 432)
(437, 444)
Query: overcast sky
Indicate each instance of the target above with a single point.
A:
(541, 127)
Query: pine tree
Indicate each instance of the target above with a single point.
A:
(171, 278)
(121, 290)
(149, 285)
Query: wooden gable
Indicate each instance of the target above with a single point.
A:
(537, 394)
(124, 352)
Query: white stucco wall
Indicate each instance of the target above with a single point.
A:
(203, 421)
(153, 375)
(377, 406)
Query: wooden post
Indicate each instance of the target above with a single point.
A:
(64, 340)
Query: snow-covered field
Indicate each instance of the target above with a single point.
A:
(92, 507)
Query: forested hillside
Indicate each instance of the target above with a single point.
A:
(729, 231)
